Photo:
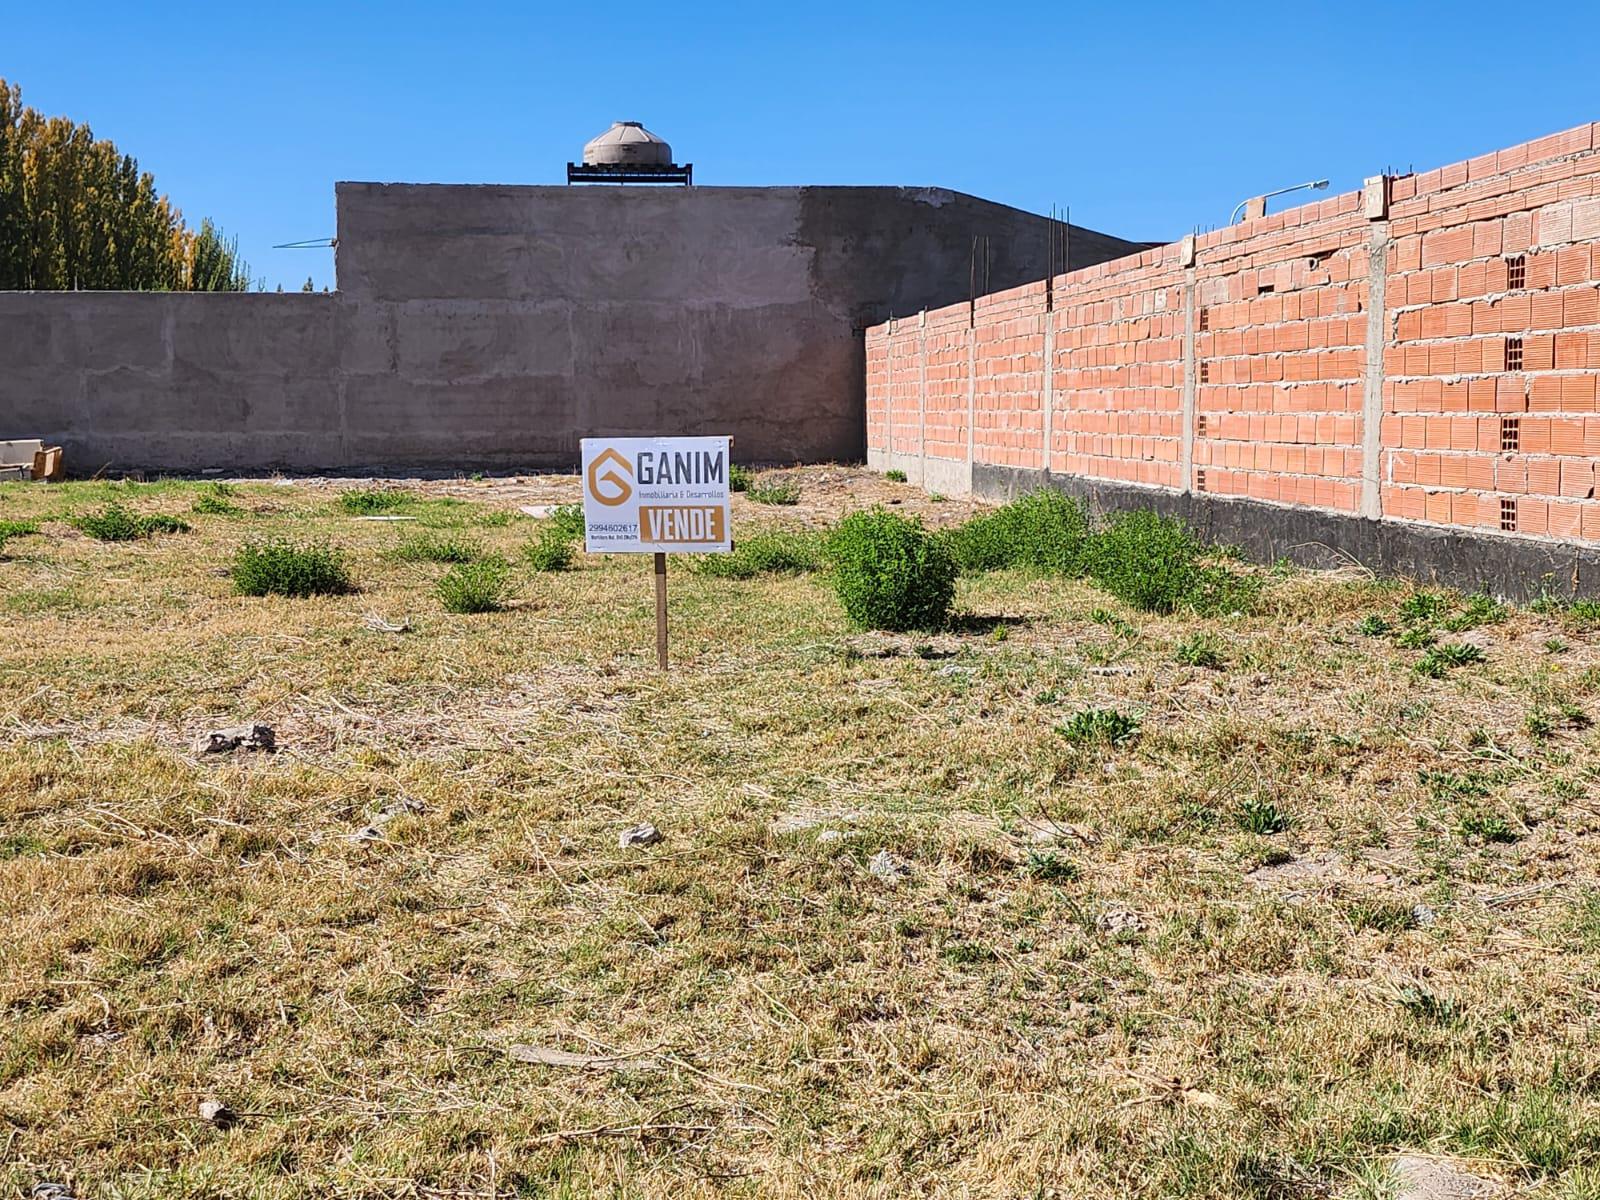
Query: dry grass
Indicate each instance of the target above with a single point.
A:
(342, 940)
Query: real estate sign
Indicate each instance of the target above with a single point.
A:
(656, 495)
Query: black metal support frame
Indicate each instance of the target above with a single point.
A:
(630, 173)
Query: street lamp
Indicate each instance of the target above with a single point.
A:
(1319, 185)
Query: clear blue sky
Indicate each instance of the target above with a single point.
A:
(1148, 119)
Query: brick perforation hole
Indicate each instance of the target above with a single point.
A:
(1205, 320)
(1205, 372)
(1513, 354)
(1200, 425)
(1517, 272)
(1508, 516)
(1200, 480)
(1510, 433)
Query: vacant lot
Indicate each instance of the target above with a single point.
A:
(1070, 900)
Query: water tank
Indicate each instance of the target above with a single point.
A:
(627, 143)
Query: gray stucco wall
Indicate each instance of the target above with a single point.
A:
(483, 327)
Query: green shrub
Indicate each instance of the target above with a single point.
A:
(435, 548)
(117, 523)
(1372, 625)
(1046, 530)
(280, 568)
(889, 572)
(567, 521)
(369, 501)
(740, 478)
(780, 491)
(475, 587)
(1146, 560)
(895, 476)
(770, 552)
(1099, 727)
(551, 550)
(553, 547)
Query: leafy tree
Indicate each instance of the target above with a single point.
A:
(76, 213)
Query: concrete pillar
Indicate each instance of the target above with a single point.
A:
(1049, 386)
(922, 398)
(888, 408)
(1372, 372)
(972, 398)
(1186, 447)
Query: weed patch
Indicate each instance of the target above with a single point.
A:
(1384, 916)
(15, 529)
(781, 491)
(1480, 608)
(477, 587)
(282, 568)
(1200, 650)
(1049, 867)
(1487, 827)
(1045, 530)
(216, 501)
(555, 546)
(1259, 815)
(1440, 660)
(549, 551)
(771, 552)
(1430, 1007)
(118, 523)
(1153, 563)
(1099, 727)
(435, 548)
(367, 502)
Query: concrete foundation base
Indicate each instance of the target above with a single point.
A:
(948, 476)
(1515, 568)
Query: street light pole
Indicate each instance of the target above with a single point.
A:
(1314, 184)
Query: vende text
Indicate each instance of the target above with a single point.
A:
(680, 523)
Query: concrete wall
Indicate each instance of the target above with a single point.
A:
(1421, 355)
(123, 379)
(492, 327)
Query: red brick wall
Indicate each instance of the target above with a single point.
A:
(1117, 392)
(1483, 363)
(1280, 314)
(1473, 436)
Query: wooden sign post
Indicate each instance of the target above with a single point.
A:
(661, 610)
(657, 496)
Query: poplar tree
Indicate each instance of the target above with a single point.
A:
(77, 214)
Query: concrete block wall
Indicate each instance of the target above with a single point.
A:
(1424, 352)
(491, 327)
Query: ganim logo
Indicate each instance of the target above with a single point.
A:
(613, 486)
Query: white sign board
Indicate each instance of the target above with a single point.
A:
(656, 495)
